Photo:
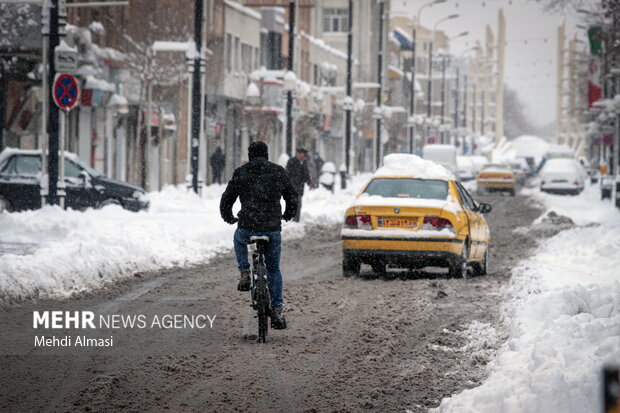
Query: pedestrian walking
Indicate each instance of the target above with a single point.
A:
(218, 161)
(297, 170)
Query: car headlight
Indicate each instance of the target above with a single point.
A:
(137, 194)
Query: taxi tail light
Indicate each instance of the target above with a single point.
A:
(358, 222)
(436, 223)
(483, 176)
(507, 176)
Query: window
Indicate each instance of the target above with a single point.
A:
(408, 188)
(23, 165)
(236, 55)
(466, 199)
(246, 58)
(335, 20)
(257, 59)
(228, 52)
(71, 169)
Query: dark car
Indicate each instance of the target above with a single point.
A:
(20, 180)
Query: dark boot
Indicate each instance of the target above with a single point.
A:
(245, 284)
(278, 322)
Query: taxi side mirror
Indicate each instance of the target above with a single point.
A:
(484, 208)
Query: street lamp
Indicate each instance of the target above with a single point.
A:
(289, 90)
(430, 63)
(380, 82)
(412, 100)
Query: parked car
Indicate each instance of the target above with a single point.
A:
(20, 182)
(520, 168)
(496, 177)
(414, 213)
(562, 176)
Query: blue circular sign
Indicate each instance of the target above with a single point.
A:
(66, 91)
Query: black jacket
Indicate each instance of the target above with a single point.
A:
(260, 185)
(298, 172)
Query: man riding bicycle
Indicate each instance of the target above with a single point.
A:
(260, 185)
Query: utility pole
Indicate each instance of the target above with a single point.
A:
(349, 100)
(289, 93)
(380, 81)
(53, 118)
(456, 98)
(443, 97)
(412, 98)
(559, 83)
(196, 101)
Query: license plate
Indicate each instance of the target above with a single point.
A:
(407, 223)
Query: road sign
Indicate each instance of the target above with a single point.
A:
(608, 140)
(66, 61)
(66, 91)
(431, 140)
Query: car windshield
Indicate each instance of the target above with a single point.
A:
(408, 188)
(85, 166)
(495, 167)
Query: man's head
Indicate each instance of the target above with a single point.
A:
(258, 150)
(301, 154)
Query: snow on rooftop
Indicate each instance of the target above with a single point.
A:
(241, 8)
(100, 84)
(402, 164)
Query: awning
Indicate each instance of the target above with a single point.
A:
(403, 39)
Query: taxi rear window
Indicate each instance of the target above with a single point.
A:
(408, 188)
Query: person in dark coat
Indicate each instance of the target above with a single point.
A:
(259, 185)
(218, 162)
(298, 172)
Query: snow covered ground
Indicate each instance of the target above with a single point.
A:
(562, 311)
(70, 251)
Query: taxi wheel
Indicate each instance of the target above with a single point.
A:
(458, 268)
(350, 267)
(482, 268)
(512, 192)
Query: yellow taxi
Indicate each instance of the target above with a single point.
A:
(496, 177)
(413, 213)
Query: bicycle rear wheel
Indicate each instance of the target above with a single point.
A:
(262, 304)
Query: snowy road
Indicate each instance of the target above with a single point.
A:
(352, 344)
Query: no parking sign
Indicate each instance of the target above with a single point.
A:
(66, 91)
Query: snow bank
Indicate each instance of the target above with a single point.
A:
(563, 314)
(401, 164)
(81, 251)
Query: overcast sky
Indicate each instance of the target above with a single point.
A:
(531, 35)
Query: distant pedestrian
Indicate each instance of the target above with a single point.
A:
(315, 169)
(297, 170)
(218, 162)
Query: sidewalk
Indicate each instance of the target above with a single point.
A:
(562, 312)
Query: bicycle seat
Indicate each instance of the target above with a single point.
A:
(256, 238)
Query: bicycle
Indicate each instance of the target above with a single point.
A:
(261, 298)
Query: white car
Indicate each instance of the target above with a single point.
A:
(467, 169)
(562, 176)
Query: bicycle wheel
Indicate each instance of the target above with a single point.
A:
(262, 325)
(262, 304)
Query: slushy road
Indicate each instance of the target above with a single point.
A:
(352, 344)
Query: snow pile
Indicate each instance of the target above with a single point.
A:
(81, 251)
(563, 314)
(402, 164)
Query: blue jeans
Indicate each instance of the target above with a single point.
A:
(272, 259)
